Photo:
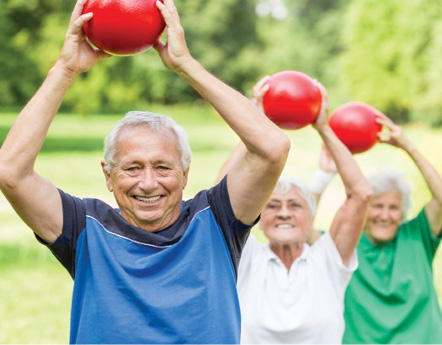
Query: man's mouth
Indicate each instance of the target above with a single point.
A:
(150, 200)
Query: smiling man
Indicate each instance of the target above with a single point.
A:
(147, 174)
(157, 269)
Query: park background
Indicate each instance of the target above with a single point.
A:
(386, 54)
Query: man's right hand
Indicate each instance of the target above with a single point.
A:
(77, 55)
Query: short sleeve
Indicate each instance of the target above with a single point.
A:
(235, 232)
(74, 221)
(419, 229)
(247, 255)
(333, 261)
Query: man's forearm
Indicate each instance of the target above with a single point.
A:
(249, 123)
(28, 132)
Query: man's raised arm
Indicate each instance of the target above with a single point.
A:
(35, 199)
(267, 146)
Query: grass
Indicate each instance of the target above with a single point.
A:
(36, 290)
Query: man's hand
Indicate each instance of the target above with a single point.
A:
(174, 53)
(77, 55)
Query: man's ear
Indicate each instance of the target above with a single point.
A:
(185, 177)
(107, 177)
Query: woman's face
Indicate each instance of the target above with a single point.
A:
(384, 217)
(285, 218)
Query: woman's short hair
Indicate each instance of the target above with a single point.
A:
(285, 183)
(387, 180)
(153, 121)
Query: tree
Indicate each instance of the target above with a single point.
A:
(222, 35)
(387, 46)
(307, 39)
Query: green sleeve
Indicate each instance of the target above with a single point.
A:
(419, 229)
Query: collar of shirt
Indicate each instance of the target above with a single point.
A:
(271, 256)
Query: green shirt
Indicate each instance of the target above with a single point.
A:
(391, 297)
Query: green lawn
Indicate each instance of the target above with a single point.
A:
(36, 290)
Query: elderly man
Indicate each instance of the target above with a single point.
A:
(157, 269)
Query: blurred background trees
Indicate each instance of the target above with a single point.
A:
(389, 57)
(382, 53)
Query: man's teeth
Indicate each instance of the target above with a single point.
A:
(149, 200)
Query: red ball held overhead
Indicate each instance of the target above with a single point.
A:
(355, 125)
(123, 27)
(293, 100)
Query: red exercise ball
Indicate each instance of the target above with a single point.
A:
(123, 27)
(293, 100)
(355, 125)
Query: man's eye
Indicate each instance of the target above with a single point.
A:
(163, 168)
(132, 169)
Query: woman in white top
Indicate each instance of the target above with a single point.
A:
(291, 292)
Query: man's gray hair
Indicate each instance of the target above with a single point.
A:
(153, 121)
(387, 180)
(285, 183)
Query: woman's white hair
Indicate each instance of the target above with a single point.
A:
(387, 180)
(153, 121)
(285, 183)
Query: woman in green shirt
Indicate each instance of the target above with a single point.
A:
(391, 297)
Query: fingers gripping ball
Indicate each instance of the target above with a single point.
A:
(355, 125)
(123, 27)
(293, 100)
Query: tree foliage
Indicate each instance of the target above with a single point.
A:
(387, 57)
(307, 40)
(382, 53)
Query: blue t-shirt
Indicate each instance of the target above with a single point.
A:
(133, 286)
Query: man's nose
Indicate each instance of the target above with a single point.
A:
(148, 179)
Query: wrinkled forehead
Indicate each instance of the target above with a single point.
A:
(144, 130)
(149, 140)
(393, 196)
(283, 195)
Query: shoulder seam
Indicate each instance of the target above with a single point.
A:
(124, 237)
(131, 240)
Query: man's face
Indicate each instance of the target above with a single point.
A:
(285, 218)
(147, 179)
(384, 217)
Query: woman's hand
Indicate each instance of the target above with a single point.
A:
(394, 136)
(258, 92)
(321, 121)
